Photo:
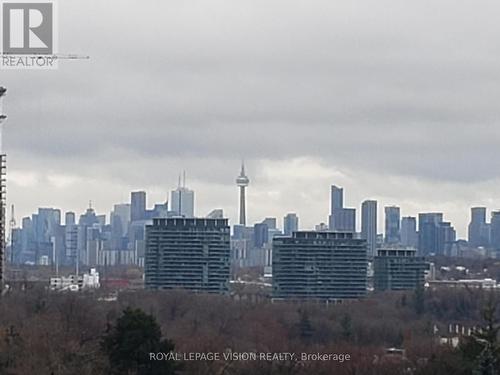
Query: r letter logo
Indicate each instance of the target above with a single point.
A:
(27, 28)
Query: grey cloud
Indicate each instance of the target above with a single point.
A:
(385, 87)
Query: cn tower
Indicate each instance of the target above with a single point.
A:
(242, 181)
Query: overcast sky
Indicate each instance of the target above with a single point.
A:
(393, 100)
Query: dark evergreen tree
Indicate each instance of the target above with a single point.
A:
(305, 327)
(488, 361)
(403, 300)
(419, 300)
(129, 343)
(13, 350)
(399, 341)
(346, 325)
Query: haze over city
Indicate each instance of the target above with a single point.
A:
(308, 96)
(248, 187)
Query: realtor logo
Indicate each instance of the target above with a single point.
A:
(27, 28)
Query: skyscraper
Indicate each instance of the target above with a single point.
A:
(260, 234)
(182, 200)
(242, 181)
(71, 242)
(188, 253)
(138, 205)
(49, 220)
(86, 222)
(336, 198)
(217, 213)
(290, 224)
(27, 241)
(270, 222)
(409, 235)
(369, 225)
(392, 225)
(119, 225)
(478, 228)
(428, 232)
(446, 238)
(341, 219)
(495, 230)
(120, 218)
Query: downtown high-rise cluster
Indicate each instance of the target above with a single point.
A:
(50, 237)
(179, 250)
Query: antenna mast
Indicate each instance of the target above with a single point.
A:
(3, 192)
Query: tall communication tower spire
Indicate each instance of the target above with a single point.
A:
(3, 118)
(242, 181)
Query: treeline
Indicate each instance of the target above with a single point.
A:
(64, 333)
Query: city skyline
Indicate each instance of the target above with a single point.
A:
(404, 118)
(147, 203)
(249, 187)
